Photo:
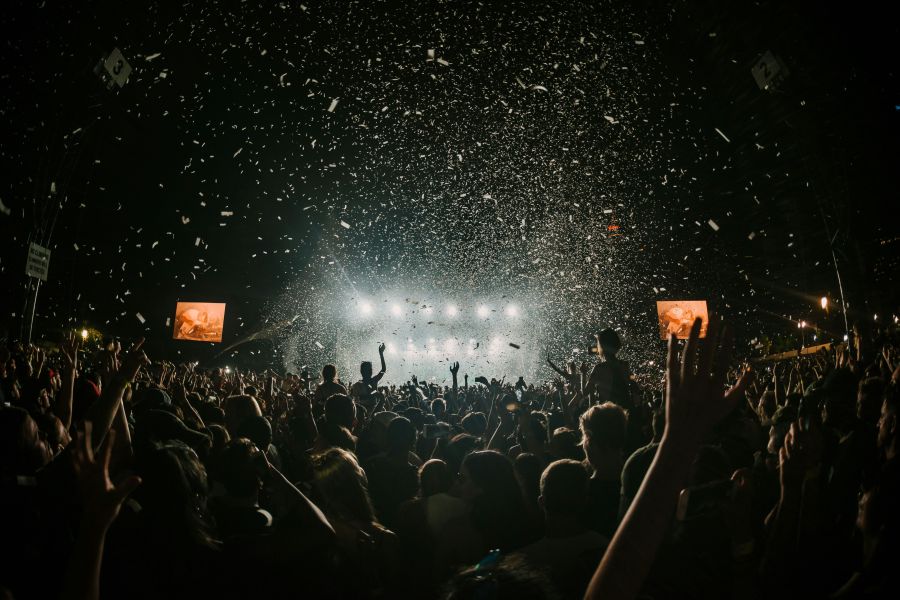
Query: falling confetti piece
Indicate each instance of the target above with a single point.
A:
(345, 225)
(713, 224)
(724, 137)
(140, 318)
(333, 106)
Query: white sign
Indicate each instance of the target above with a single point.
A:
(38, 262)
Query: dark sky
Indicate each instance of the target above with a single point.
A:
(473, 146)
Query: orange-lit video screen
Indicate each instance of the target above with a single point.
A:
(677, 316)
(199, 321)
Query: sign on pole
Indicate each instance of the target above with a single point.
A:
(38, 262)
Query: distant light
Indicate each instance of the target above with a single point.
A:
(512, 310)
(876, 317)
(824, 302)
(845, 337)
(451, 310)
(396, 310)
(483, 311)
(366, 308)
(815, 337)
(84, 334)
(227, 369)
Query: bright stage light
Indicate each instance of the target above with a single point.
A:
(512, 310)
(365, 308)
(396, 310)
(451, 311)
(483, 311)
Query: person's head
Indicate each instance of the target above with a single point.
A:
(365, 369)
(475, 424)
(610, 343)
(528, 469)
(340, 411)
(240, 466)
(869, 399)
(342, 486)
(564, 489)
(435, 478)
(55, 434)
(239, 408)
(510, 578)
(401, 436)
(258, 430)
(458, 448)
(438, 408)
(23, 448)
(173, 494)
(603, 430)
(566, 443)
(489, 475)
(329, 373)
(888, 426)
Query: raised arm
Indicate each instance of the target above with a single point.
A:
(102, 412)
(383, 370)
(695, 403)
(63, 405)
(555, 368)
(101, 502)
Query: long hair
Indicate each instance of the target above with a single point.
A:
(173, 495)
(343, 486)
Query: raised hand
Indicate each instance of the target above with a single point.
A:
(454, 369)
(695, 397)
(381, 348)
(133, 360)
(69, 350)
(102, 500)
(802, 450)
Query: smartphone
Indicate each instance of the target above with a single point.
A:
(703, 499)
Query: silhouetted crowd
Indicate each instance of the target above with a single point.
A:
(124, 477)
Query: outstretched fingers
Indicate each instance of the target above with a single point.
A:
(689, 357)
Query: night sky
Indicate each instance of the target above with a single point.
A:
(292, 158)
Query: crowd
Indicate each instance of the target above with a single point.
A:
(124, 477)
